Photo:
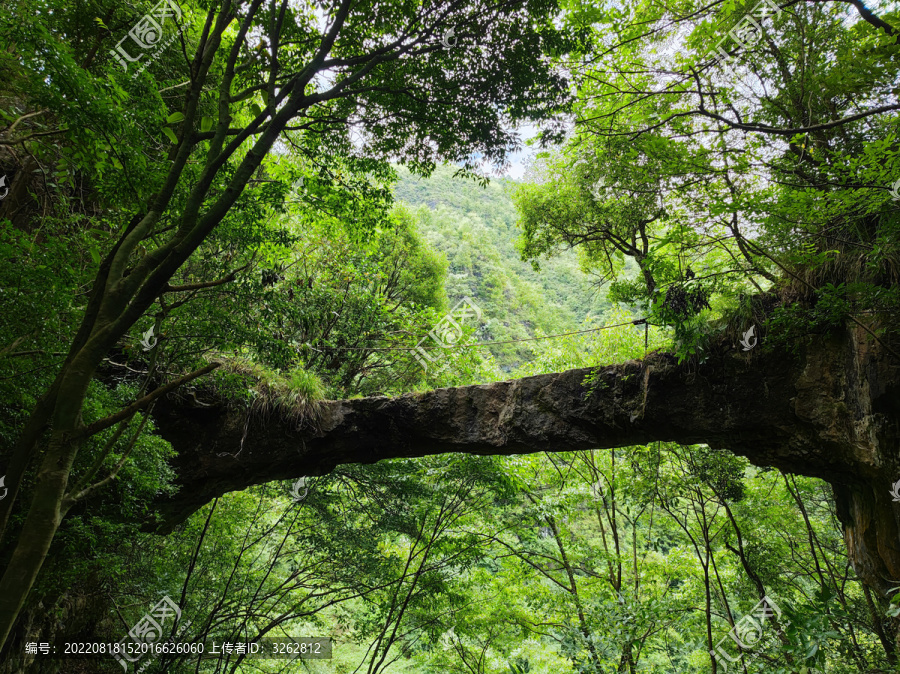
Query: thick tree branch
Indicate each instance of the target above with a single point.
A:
(137, 405)
(865, 13)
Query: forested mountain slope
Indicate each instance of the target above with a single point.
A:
(474, 227)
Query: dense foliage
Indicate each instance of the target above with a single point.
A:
(241, 215)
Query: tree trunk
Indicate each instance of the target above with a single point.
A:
(44, 517)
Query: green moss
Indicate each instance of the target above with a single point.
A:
(294, 395)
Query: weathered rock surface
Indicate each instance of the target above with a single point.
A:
(832, 411)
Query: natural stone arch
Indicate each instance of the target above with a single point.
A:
(830, 411)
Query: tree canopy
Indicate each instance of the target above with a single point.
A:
(273, 203)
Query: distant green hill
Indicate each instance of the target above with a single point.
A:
(475, 229)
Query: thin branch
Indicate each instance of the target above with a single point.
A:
(12, 126)
(101, 457)
(36, 134)
(174, 86)
(774, 130)
(69, 501)
(12, 346)
(206, 284)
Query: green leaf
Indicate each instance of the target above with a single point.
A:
(175, 117)
(256, 109)
(170, 135)
(95, 253)
(206, 123)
